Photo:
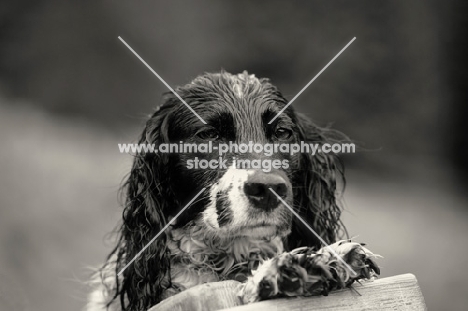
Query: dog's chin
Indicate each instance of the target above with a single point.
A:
(255, 232)
(259, 232)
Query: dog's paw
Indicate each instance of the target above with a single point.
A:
(263, 282)
(360, 262)
(305, 272)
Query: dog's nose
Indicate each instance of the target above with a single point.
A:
(256, 189)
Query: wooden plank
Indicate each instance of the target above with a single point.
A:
(204, 297)
(399, 292)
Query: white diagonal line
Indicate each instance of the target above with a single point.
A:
(315, 233)
(313, 79)
(162, 80)
(159, 233)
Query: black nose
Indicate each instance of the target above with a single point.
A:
(256, 189)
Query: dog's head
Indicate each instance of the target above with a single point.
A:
(244, 190)
(238, 199)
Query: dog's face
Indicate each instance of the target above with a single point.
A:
(238, 200)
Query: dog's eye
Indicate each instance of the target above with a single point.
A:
(283, 133)
(210, 134)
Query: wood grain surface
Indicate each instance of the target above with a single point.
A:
(399, 292)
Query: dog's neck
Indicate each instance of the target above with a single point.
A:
(198, 257)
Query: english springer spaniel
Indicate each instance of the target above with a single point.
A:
(238, 228)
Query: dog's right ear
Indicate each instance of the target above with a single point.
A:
(148, 200)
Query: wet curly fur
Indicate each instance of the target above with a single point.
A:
(159, 185)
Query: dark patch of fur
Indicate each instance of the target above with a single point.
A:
(222, 209)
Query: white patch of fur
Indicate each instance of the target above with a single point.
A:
(245, 220)
(247, 79)
(97, 299)
(241, 81)
(104, 289)
(238, 90)
(232, 181)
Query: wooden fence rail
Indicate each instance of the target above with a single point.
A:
(399, 292)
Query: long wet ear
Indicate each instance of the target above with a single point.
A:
(316, 195)
(148, 200)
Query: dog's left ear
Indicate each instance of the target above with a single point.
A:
(316, 197)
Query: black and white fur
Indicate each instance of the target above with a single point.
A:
(236, 221)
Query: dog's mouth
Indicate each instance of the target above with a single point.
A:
(253, 228)
(265, 229)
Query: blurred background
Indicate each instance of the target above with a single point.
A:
(70, 91)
